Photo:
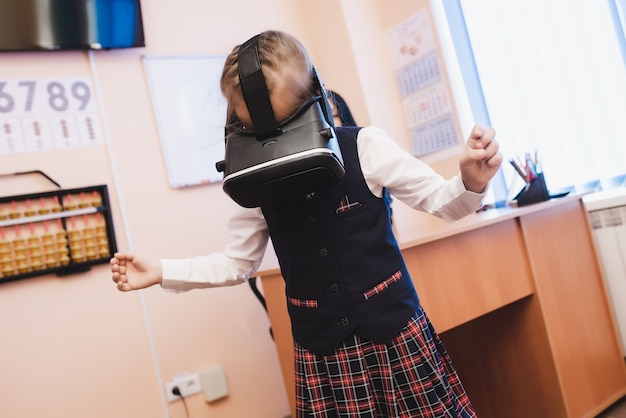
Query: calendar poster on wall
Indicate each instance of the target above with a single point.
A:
(424, 91)
(44, 114)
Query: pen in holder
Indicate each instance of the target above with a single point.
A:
(530, 170)
(533, 192)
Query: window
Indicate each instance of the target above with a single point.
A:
(550, 76)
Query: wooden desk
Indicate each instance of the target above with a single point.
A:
(520, 302)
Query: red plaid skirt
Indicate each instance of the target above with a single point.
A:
(412, 376)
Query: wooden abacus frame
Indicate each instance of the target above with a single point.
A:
(37, 251)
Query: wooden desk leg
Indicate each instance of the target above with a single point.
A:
(576, 309)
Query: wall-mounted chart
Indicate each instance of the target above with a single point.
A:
(425, 94)
(191, 113)
(45, 114)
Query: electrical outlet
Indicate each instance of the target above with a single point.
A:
(188, 384)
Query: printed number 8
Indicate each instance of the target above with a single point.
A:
(57, 99)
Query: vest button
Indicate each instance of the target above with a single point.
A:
(334, 287)
(313, 218)
(323, 252)
(344, 322)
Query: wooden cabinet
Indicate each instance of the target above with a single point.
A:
(519, 300)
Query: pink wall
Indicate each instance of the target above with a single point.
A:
(75, 346)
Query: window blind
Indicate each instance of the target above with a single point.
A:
(553, 78)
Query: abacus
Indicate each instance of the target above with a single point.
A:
(64, 231)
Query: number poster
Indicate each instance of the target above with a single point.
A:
(45, 114)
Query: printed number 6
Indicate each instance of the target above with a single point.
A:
(6, 100)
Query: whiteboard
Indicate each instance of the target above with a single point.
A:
(190, 112)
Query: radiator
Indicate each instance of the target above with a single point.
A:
(607, 216)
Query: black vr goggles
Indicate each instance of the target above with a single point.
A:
(278, 160)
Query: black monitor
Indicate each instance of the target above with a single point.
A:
(49, 25)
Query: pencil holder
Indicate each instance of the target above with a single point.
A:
(534, 192)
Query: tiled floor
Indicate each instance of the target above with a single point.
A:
(618, 410)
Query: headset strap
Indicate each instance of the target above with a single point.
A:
(254, 89)
(326, 110)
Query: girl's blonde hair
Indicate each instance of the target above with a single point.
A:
(279, 54)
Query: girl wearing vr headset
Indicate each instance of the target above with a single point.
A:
(363, 345)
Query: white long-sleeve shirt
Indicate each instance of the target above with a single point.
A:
(384, 165)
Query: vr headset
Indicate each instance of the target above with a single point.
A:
(276, 160)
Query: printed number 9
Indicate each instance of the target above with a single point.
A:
(81, 91)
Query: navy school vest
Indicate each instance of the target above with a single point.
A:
(343, 269)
